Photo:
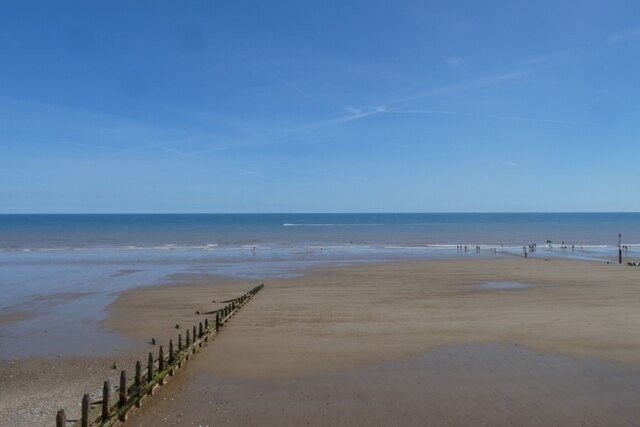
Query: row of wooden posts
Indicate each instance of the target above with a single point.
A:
(131, 393)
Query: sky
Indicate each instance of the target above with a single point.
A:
(326, 106)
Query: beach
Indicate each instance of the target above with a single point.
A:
(409, 342)
(458, 342)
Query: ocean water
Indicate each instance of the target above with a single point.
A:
(208, 231)
(67, 268)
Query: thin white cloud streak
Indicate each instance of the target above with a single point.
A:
(624, 35)
(480, 115)
(99, 146)
(357, 115)
(454, 61)
(152, 140)
(540, 63)
(488, 81)
(171, 150)
(545, 58)
(363, 113)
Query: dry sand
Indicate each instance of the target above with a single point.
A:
(406, 343)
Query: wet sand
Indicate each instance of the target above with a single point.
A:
(405, 343)
(12, 317)
(414, 342)
(473, 385)
(39, 386)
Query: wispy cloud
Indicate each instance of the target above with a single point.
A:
(478, 115)
(400, 106)
(471, 84)
(88, 129)
(249, 173)
(356, 114)
(624, 35)
(454, 61)
(510, 164)
(528, 66)
(545, 58)
(97, 146)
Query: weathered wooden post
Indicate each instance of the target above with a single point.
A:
(150, 373)
(106, 407)
(161, 364)
(61, 419)
(200, 333)
(194, 339)
(217, 321)
(206, 330)
(171, 359)
(138, 384)
(123, 393)
(179, 343)
(84, 421)
(186, 356)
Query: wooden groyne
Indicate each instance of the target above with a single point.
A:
(111, 410)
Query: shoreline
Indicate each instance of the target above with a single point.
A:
(73, 289)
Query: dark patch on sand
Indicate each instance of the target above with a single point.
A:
(61, 296)
(125, 272)
(14, 317)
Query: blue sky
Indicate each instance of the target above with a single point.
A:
(332, 106)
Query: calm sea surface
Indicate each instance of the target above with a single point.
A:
(66, 269)
(36, 232)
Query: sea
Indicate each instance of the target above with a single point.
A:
(68, 268)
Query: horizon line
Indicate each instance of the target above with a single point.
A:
(320, 213)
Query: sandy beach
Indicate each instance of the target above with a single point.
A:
(414, 341)
(505, 341)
